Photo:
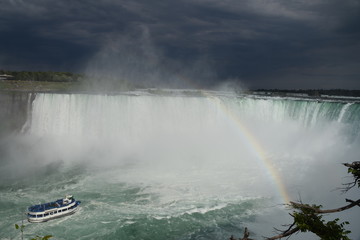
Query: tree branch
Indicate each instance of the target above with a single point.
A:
(309, 218)
(354, 169)
(284, 234)
(352, 201)
(319, 211)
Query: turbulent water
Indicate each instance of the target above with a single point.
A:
(176, 167)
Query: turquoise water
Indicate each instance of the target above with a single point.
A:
(173, 167)
(119, 210)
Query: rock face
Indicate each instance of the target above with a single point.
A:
(14, 107)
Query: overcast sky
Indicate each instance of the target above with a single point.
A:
(195, 43)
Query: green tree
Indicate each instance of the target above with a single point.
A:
(309, 218)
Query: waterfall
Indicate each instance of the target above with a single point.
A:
(189, 167)
(137, 116)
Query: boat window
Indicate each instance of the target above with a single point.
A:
(46, 214)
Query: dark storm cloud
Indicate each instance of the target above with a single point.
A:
(272, 44)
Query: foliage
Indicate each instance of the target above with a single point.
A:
(313, 92)
(308, 220)
(32, 86)
(62, 81)
(42, 238)
(21, 228)
(43, 76)
(354, 169)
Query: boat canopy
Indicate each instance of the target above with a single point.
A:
(56, 204)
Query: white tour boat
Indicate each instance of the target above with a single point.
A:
(51, 210)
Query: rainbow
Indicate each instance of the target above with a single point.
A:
(253, 143)
(254, 146)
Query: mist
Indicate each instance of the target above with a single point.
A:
(187, 154)
(132, 60)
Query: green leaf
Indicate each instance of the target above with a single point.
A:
(16, 226)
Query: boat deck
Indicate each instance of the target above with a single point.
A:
(47, 206)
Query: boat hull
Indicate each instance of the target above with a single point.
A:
(52, 210)
(50, 217)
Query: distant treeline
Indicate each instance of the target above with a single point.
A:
(314, 92)
(42, 76)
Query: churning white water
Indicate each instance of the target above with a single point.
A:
(177, 167)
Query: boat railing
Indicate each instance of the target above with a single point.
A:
(54, 212)
(48, 206)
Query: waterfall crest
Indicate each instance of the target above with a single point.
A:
(136, 116)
